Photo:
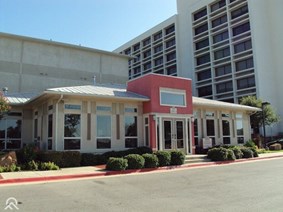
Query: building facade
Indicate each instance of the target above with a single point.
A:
(229, 48)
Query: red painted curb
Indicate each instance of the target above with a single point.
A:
(109, 173)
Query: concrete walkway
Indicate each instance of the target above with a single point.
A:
(96, 171)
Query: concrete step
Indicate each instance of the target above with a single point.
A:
(196, 159)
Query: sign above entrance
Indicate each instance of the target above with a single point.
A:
(173, 110)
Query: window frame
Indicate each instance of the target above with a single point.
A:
(174, 92)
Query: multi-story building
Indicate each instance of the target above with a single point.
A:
(229, 48)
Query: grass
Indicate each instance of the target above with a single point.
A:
(263, 151)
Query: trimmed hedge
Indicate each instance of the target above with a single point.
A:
(151, 160)
(164, 158)
(117, 164)
(89, 159)
(135, 161)
(221, 154)
(62, 159)
(177, 157)
(237, 152)
(247, 152)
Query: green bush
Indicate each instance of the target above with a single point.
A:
(164, 158)
(32, 165)
(237, 152)
(231, 155)
(250, 143)
(151, 160)
(116, 164)
(48, 166)
(254, 150)
(135, 161)
(177, 157)
(275, 146)
(12, 168)
(26, 154)
(89, 159)
(62, 159)
(247, 153)
(218, 154)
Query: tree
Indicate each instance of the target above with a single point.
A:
(4, 105)
(269, 114)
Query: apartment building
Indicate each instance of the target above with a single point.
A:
(229, 48)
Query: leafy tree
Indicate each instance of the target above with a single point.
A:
(4, 105)
(269, 114)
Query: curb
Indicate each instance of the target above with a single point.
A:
(111, 173)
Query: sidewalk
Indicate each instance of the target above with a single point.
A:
(99, 171)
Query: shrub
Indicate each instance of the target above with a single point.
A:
(151, 160)
(254, 150)
(275, 146)
(26, 154)
(218, 154)
(250, 143)
(177, 157)
(32, 165)
(12, 168)
(62, 159)
(89, 159)
(164, 158)
(261, 151)
(135, 161)
(230, 155)
(144, 150)
(237, 152)
(48, 166)
(116, 164)
(247, 153)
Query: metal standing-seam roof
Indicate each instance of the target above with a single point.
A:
(19, 98)
(100, 90)
(214, 103)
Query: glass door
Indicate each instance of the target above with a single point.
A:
(173, 134)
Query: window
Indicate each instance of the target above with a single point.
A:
(50, 132)
(157, 36)
(72, 132)
(246, 82)
(146, 54)
(200, 14)
(131, 131)
(103, 130)
(201, 29)
(226, 132)
(158, 61)
(202, 44)
(222, 53)
(127, 51)
(170, 29)
(203, 75)
(158, 48)
(224, 87)
(172, 70)
(218, 21)
(244, 64)
(72, 107)
(146, 42)
(131, 110)
(10, 133)
(203, 59)
(137, 58)
(136, 47)
(147, 66)
(241, 11)
(170, 43)
(220, 37)
(210, 127)
(218, 5)
(104, 108)
(223, 70)
(205, 91)
(240, 47)
(240, 128)
(241, 29)
(173, 98)
(171, 56)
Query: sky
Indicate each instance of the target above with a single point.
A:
(100, 24)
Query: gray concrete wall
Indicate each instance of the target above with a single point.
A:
(32, 65)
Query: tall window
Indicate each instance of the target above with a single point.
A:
(131, 128)
(10, 132)
(210, 126)
(72, 132)
(226, 128)
(146, 131)
(103, 127)
(240, 128)
(50, 131)
(196, 128)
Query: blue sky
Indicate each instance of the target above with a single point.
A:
(101, 24)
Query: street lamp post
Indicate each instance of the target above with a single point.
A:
(263, 120)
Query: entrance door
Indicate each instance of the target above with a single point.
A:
(173, 134)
